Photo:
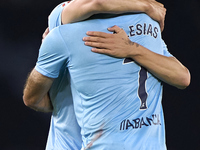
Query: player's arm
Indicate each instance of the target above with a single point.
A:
(36, 90)
(167, 69)
(78, 10)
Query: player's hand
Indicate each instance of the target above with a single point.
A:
(46, 32)
(157, 11)
(116, 45)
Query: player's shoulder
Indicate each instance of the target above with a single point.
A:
(143, 16)
(54, 34)
(54, 38)
(68, 29)
(139, 16)
(55, 30)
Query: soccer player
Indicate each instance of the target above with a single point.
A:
(64, 131)
(112, 85)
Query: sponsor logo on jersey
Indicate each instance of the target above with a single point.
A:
(140, 122)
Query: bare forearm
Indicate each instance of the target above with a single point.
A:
(116, 6)
(78, 10)
(44, 105)
(167, 69)
(36, 92)
(152, 8)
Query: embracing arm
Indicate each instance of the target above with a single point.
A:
(36, 90)
(78, 10)
(167, 69)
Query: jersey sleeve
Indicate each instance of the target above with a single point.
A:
(165, 50)
(55, 16)
(53, 55)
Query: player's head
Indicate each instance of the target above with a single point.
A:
(55, 16)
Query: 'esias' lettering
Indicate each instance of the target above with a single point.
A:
(145, 29)
(140, 122)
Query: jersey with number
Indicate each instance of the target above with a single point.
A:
(64, 132)
(120, 101)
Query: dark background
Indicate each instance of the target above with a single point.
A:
(22, 23)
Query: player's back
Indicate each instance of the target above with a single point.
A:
(118, 96)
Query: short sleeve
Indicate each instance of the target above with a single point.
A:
(53, 55)
(165, 50)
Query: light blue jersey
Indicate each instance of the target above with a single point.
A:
(115, 96)
(64, 132)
